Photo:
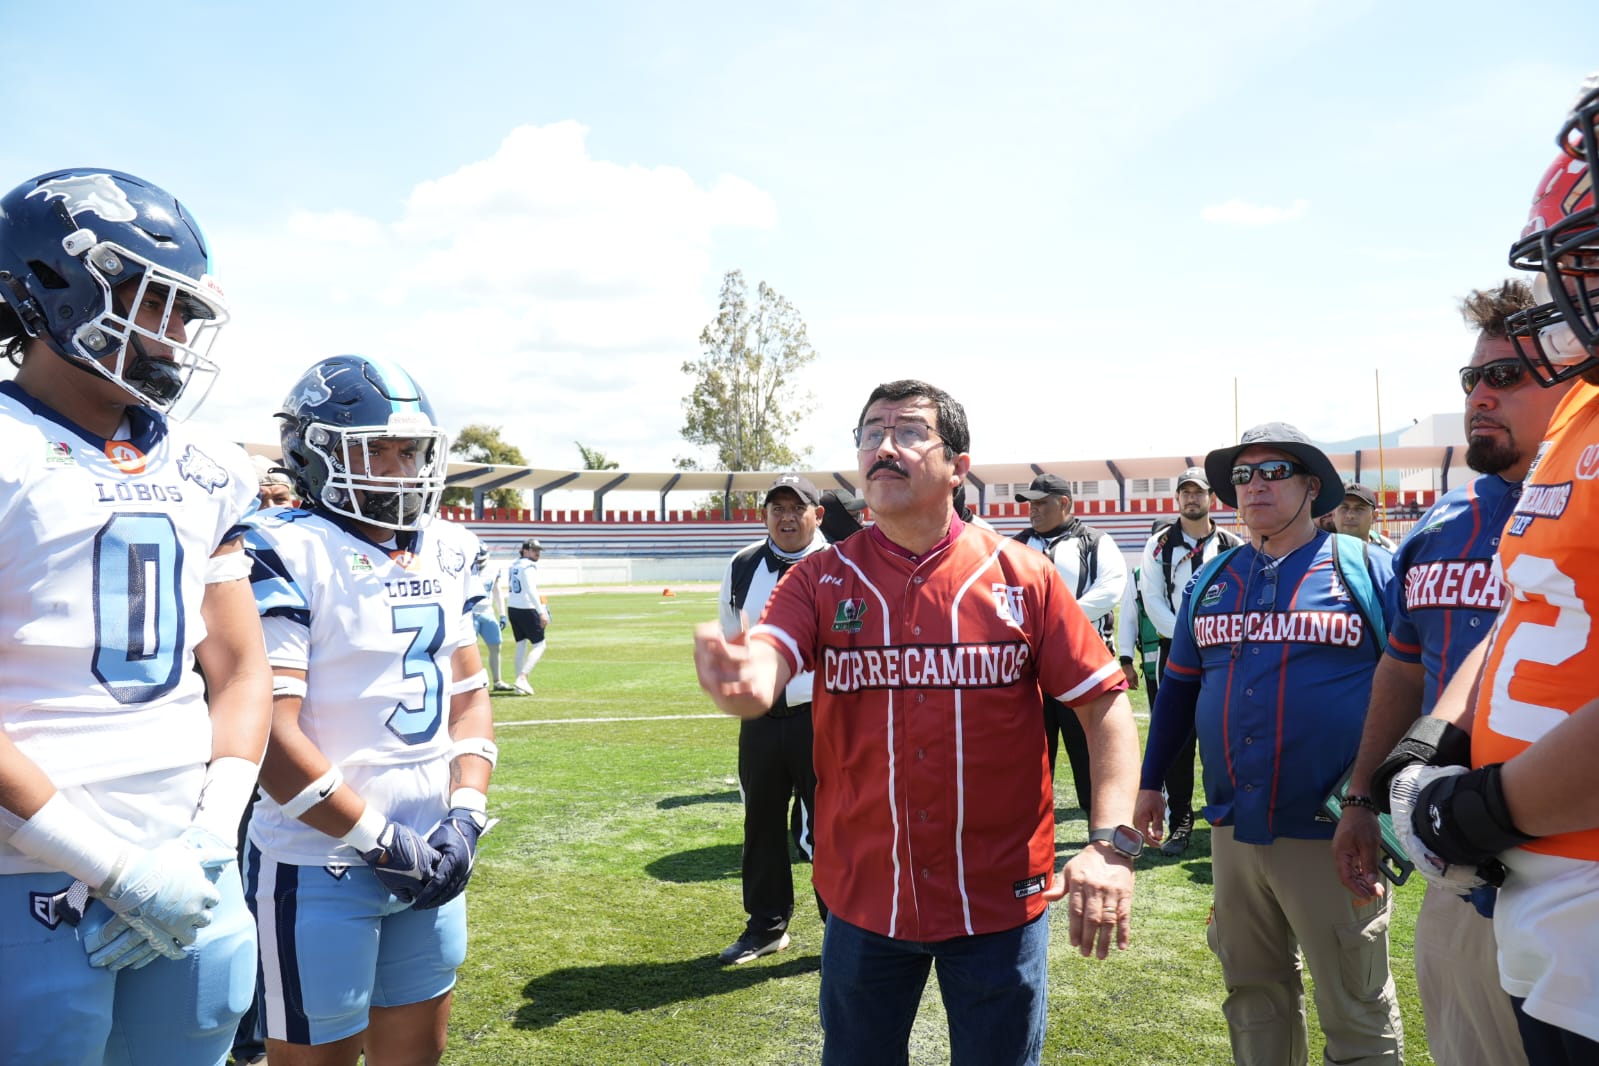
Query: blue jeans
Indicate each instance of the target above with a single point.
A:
(1549, 1045)
(993, 986)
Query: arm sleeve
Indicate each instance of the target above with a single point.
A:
(1127, 623)
(1100, 598)
(1152, 580)
(1169, 723)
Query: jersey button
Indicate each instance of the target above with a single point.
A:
(1249, 740)
(916, 630)
(921, 697)
(921, 753)
(1249, 788)
(921, 816)
(917, 580)
(1249, 692)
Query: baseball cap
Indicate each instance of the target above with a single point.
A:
(266, 473)
(1361, 493)
(1195, 474)
(1284, 438)
(1045, 485)
(799, 485)
(531, 544)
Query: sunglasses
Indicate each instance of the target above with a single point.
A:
(1270, 469)
(1499, 374)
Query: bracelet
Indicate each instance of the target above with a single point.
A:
(1353, 799)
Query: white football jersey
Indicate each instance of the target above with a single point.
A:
(374, 629)
(522, 585)
(104, 547)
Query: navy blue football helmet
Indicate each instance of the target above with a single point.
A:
(332, 414)
(83, 251)
(1559, 338)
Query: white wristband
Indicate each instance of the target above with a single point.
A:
(229, 784)
(471, 684)
(482, 747)
(64, 838)
(363, 835)
(314, 793)
(471, 799)
(287, 686)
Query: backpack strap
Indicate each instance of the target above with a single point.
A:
(1352, 562)
(743, 571)
(1202, 580)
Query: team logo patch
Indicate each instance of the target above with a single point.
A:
(1032, 886)
(405, 560)
(1213, 594)
(124, 456)
(451, 559)
(89, 192)
(359, 563)
(50, 909)
(849, 617)
(200, 468)
(337, 870)
(1588, 463)
(1539, 501)
(59, 453)
(1009, 605)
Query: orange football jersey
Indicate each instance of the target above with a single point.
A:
(1543, 663)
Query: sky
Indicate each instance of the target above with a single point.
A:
(1093, 224)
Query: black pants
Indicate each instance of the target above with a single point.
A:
(774, 766)
(1062, 725)
(1180, 776)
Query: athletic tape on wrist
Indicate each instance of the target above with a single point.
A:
(314, 793)
(482, 747)
(363, 835)
(471, 684)
(64, 838)
(229, 784)
(471, 799)
(288, 686)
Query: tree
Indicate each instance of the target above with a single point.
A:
(483, 444)
(594, 459)
(746, 401)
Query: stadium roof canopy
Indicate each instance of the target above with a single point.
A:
(485, 477)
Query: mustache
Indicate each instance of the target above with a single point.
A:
(887, 464)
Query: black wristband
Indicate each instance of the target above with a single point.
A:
(1127, 660)
(1430, 742)
(1353, 799)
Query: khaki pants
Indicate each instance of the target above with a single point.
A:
(1273, 901)
(1469, 1020)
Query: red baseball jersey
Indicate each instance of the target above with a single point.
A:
(935, 812)
(1543, 663)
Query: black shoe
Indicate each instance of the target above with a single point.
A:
(750, 947)
(1182, 831)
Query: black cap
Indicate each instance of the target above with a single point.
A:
(799, 485)
(1284, 438)
(1361, 493)
(1195, 474)
(530, 545)
(1045, 485)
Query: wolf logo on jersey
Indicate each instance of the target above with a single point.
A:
(201, 469)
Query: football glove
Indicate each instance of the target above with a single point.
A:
(403, 861)
(456, 842)
(1449, 826)
(1428, 742)
(112, 944)
(165, 893)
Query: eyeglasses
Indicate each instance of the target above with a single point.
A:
(1499, 374)
(1270, 469)
(906, 435)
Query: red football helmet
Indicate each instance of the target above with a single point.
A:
(1559, 338)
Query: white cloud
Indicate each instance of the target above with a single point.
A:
(1242, 213)
(540, 289)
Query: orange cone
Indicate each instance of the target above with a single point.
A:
(668, 592)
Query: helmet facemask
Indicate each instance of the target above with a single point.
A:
(406, 502)
(119, 341)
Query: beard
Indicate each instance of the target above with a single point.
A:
(1487, 456)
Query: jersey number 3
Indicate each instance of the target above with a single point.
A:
(416, 725)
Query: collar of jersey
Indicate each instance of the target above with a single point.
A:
(955, 527)
(148, 428)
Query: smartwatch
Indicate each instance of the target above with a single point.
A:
(1124, 840)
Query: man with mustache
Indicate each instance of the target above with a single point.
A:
(935, 821)
(1447, 602)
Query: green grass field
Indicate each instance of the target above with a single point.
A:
(601, 899)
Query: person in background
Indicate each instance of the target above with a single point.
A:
(1357, 513)
(529, 614)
